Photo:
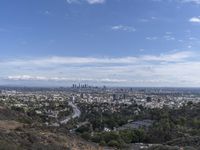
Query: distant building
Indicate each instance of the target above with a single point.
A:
(114, 97)
(137, 124)
(149, 99)
(82, 95)
(124, 96)
(106, 129)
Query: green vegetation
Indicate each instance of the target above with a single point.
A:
(171, 126)
(102, 116)
(122, 137)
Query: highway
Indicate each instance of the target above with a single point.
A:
(76, 114)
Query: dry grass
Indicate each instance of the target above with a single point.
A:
(9, 125)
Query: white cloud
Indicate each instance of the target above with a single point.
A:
(123, 28)
(55, 60)
(174, 57)
(172, 69)
(95, 1)
(88, 1)
(45, 78)
(195, 19)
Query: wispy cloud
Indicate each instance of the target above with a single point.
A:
(88, 1)
(169, 37)
(47, 12)
(181, 1)
(178, 69)
(96, 1)
(45, 78)
(72, 1)
(151, 38)
(191, 1)
(56, 60)
(123, 28)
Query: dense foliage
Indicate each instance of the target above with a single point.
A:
(171, 126)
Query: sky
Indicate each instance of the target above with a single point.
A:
(133, 43)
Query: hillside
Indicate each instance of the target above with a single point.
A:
(17, 131)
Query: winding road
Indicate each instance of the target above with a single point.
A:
(76, 113)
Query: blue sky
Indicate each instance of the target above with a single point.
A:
(111, 42)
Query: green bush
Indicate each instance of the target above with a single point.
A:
(102, 143)
(113, 143)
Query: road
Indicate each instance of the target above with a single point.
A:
(76, 113)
